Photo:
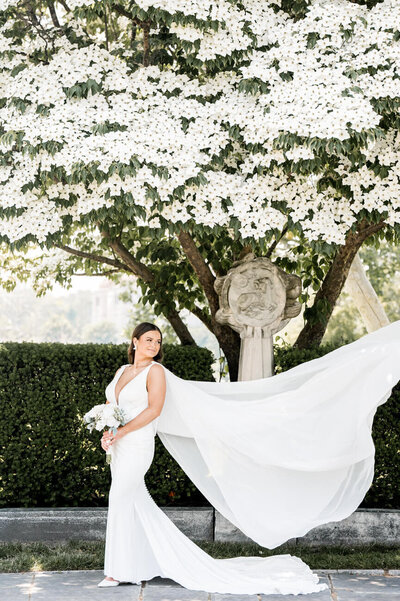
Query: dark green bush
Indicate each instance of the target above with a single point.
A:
(47, 455)
(385, 489)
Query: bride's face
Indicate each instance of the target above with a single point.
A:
(148, 345)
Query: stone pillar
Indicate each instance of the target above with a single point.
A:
(257, 299)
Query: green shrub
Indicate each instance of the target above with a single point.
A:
(385, 489)
(47, 455)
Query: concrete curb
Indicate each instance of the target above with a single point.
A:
(364, 526)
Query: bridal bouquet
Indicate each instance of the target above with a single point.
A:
(105, 416)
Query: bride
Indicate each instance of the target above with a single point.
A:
(275, 456)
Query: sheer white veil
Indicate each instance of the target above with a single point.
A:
(281, 455)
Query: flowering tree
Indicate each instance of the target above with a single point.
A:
(167, 138)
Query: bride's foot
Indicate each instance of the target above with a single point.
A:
(108, 581)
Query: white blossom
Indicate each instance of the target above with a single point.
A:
(85, 132)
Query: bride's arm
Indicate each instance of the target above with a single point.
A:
(156, 387)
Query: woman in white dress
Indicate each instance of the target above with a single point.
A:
(132, 456)
(275, 456)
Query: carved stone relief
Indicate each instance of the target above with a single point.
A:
(257, 299)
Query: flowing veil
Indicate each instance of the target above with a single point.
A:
(281, 455)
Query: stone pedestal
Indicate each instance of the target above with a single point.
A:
(257, 299)
(256, 355)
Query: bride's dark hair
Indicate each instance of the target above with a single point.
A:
(141, 329)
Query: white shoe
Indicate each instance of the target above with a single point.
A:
(105, 583)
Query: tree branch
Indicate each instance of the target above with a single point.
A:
(315, 327)
(96, 275)
(121, 10)
(206, 319)
(64, 5)
(138, 268)
(106, 25)
(146, 44)
(276, 242)
(53, 14)
(92, 257)
(201, 268)
(143, 272)
(180, 327)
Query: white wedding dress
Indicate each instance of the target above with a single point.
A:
(275, 456)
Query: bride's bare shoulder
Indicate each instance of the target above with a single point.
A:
(157, 368)
(156, 376)
(157, 371)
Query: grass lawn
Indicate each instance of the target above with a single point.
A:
(79, 555)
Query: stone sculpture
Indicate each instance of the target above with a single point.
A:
(257, 299)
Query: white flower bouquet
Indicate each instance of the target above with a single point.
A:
(104, 416)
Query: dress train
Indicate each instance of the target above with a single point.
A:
(142, 542)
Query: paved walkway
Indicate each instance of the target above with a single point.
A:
(360, 585)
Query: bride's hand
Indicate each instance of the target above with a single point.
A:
(106, 440)
(117, 436)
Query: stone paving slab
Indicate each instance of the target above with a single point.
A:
(354, 587)
(63, 586)
(15, 587)
(363, 585)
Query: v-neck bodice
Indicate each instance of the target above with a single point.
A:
(133, 396)
(118, 376)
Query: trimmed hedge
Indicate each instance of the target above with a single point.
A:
(47, 455)
(385, 489)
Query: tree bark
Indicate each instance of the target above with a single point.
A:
(364, 296)
(228, 339)
(203, 316)
(53, 14)
(276, 242)
(203, 271)
(65, 5)
(106, 26)
(146, 44)
(138, 268)
(180, 328)
(327, 295)
(93, 257)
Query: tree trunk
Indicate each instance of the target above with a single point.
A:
(180, 328)
(364, 296)
(326, 297)
(228, 339)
